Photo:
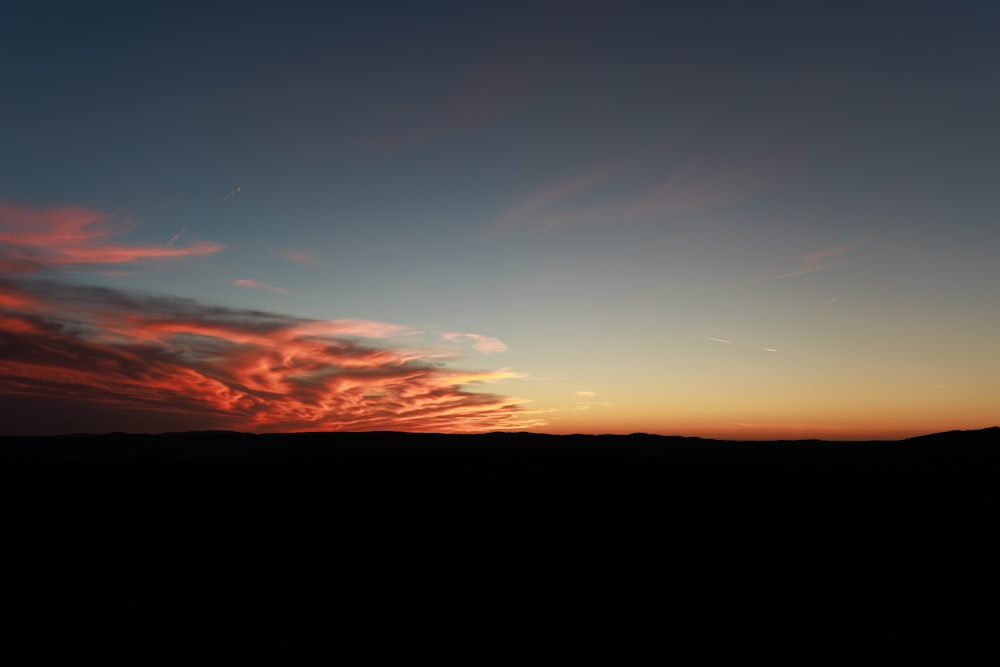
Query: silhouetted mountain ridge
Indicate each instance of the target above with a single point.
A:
(977, 435)
(497, 549)
(236, 445)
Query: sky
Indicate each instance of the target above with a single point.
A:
(718, 219)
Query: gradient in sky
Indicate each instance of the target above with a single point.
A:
(743, 220)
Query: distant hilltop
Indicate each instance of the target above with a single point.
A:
(988, 432)
(970, 434)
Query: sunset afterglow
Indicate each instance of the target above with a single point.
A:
(593, 218)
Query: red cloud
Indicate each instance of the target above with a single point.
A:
(230, 369)
(31, 238)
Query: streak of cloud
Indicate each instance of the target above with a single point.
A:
(587, 405)
(249, 282)
(695, 187)
(232, 193)
(299, 256)
(352, 327)
(33, 238)
(480, 343)
(533, 207)
(726, 341)
(824, 259)
(173, 239)
(717, 340)
(592, 404)
(488, 85)
(818, 260)
(487, 92)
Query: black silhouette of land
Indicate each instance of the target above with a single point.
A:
(499, 549)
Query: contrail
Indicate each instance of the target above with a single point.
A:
(731, 342)
(231, 194)
(176, 236)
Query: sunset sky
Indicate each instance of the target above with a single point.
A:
(722, 219)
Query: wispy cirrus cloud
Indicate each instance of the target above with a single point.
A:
(235, 369)
(582, 405)
(118, 352)
(480, 343)
(299, 256)
(818, 260)
(249, 282)
(825, 258)
(354, 327)
(35, 237)
(487, 92)
(699, 185)
(533, 208)
(490, 83)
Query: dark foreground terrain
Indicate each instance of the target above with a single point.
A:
(504, 549)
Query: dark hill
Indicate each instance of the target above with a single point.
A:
(497, 549)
